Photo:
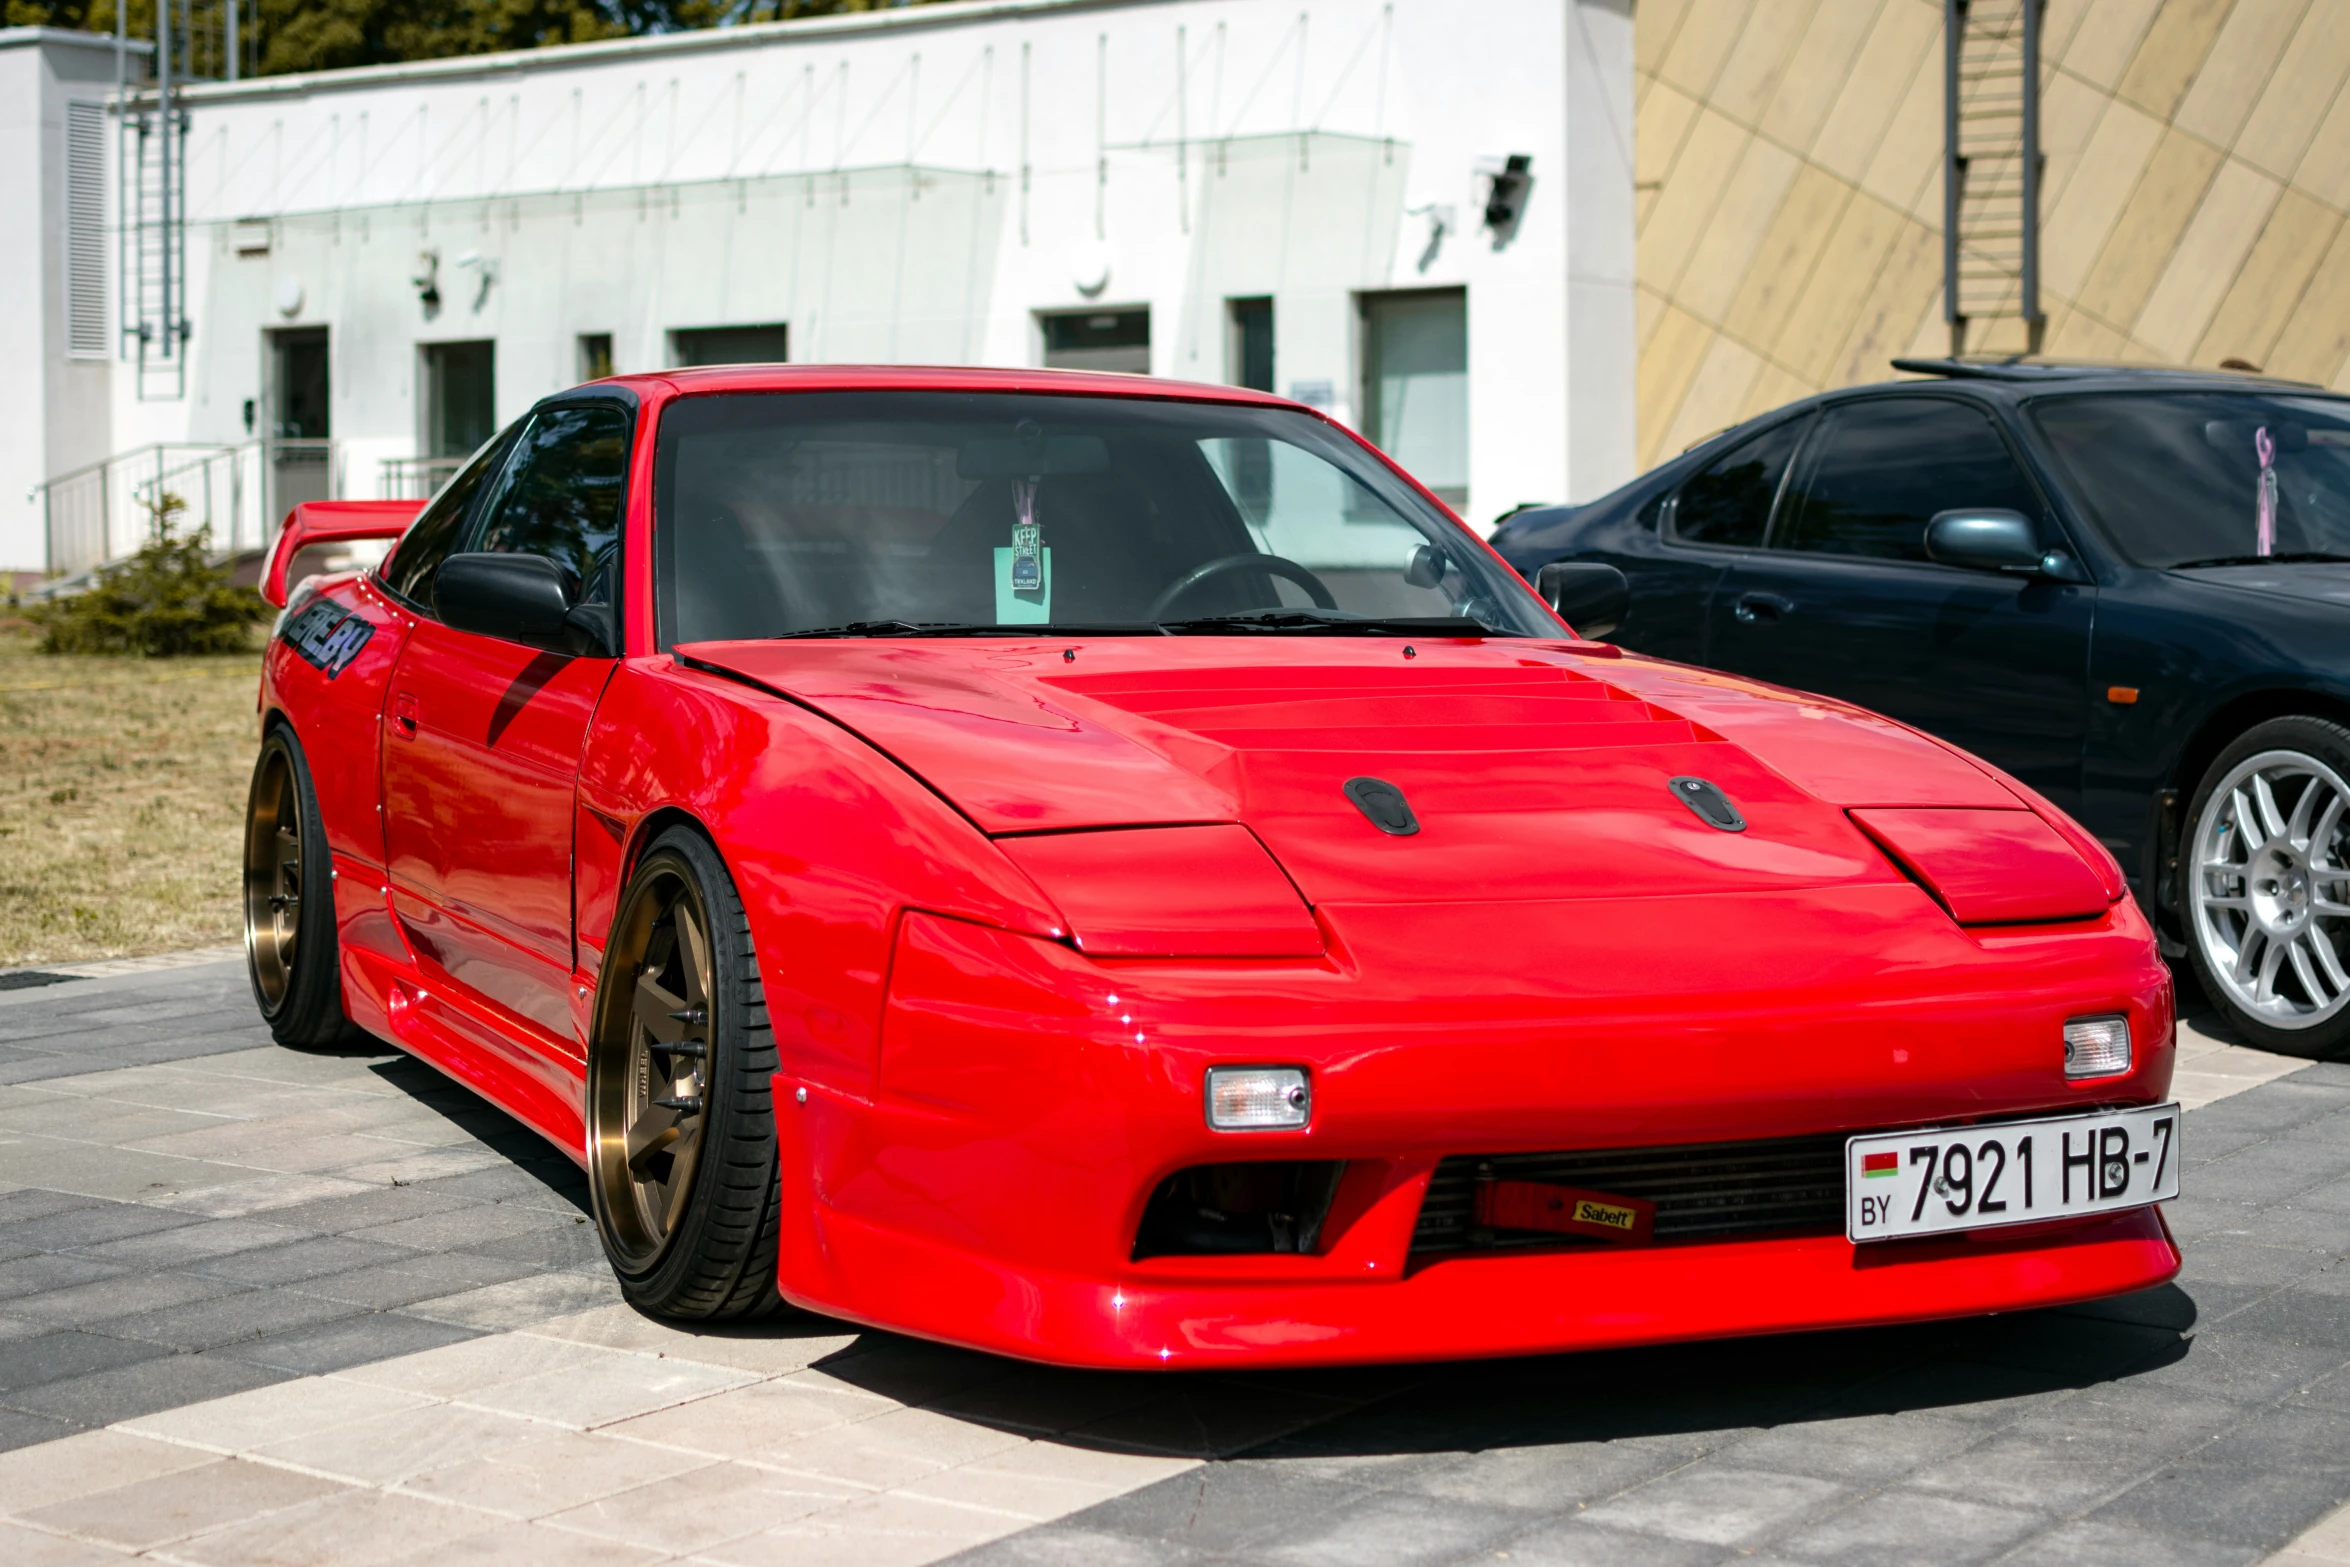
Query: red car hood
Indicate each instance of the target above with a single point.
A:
(1536, 772)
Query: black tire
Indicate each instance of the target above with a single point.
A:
(707, 1252)
(291, 953)
(2242, 896)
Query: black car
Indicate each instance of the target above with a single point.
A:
(2130, 588)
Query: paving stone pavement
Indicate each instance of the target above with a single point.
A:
(257, 1305)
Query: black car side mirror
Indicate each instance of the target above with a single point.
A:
(520, 598)
(1986, 538)
(1590, 596)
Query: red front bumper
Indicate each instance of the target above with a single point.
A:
(985, 1187)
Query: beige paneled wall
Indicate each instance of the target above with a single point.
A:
(1789, 171)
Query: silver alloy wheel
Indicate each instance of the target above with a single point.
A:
(2271, 888)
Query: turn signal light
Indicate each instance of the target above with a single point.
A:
(2096, 1046)
(1258, 1098)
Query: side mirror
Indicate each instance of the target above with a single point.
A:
(1591, 597)
(520, 598)
(1988, 538)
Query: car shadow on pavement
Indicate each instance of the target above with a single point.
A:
(1719, 1386)
(1740, 1384)
(466, 1111)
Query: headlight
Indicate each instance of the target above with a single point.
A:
(1258, 1098)
(2096, 1046)
(1169, 892)
(1989, 867)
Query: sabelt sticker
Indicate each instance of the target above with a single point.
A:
(326, 636)
(1564, 1210)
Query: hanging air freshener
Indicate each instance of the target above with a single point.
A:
(2264, 543)
(1024, 572)
(1027, 539)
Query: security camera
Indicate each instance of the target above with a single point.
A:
(427, 278)
(1505, 196)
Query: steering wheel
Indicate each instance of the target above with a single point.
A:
(1278, 565)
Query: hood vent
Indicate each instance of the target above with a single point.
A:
(1707, 801)
(1383, 806)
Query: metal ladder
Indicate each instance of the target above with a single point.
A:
(1991, 174)
(151, 183)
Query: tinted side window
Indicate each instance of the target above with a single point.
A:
(1880, 469)
(561, 499)
(435, 532)
(1729, 501)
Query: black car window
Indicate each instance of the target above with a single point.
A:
(1729, 500)
(435, 532)
(561, 498)
(2174, 478)
(1881, 468)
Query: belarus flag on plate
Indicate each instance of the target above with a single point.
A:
(1873, 1165)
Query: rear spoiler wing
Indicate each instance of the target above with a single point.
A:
(331, 522)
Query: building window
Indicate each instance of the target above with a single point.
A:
(1251, 350)
(460, 397)
(85, 230)
(1416, 384)
(730, 345)
(1098, 340)
(595, 355)
(300, 400)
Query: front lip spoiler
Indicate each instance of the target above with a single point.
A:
(1470, 1308)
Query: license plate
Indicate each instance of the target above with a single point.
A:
(2009, 1172)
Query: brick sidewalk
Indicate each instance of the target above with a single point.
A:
(264, 1306)
(257, 1305)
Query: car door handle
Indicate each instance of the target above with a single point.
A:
(1753, 607)
(404, 715)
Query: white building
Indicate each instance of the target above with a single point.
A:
(382, 266)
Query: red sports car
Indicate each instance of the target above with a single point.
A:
(1113, 872)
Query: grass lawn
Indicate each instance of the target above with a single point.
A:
(122, 800)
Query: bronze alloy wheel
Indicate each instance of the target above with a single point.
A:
(290, 946)
(273, 876)
(680, 1094)
(646, 1111)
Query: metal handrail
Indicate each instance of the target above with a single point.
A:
(414, 478)
(233, 490)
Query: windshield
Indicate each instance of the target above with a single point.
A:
(2206, 478)
(947, 513)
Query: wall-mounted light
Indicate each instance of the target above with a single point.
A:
(1089, 269)
(486, 268)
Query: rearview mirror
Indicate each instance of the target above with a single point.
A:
(1589, 596)
(520, 598)
(1986, 538)
(1026, 456)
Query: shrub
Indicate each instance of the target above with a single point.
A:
(165, 601)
